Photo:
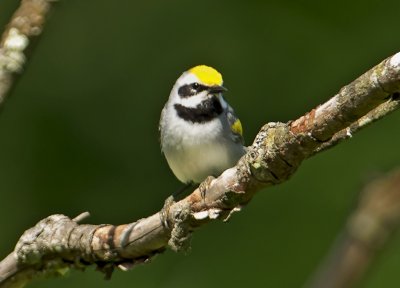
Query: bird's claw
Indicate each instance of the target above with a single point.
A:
(165, 211)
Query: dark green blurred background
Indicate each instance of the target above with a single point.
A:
(80, 130)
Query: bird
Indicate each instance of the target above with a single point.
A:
(200, 134)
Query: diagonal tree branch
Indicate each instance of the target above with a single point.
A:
(367, 230)
(57, 243)
(372, 116)
(26, 24)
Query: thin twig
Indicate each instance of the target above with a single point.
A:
(366, 232)
(25, 25)
(81, 217)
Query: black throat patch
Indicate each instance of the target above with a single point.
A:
(204, 112)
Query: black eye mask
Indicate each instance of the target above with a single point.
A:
(192, 89)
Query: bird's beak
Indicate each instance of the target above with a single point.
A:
(217, 89)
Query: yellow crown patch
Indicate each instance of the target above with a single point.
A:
(207, 75)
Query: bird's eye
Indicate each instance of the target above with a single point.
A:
(196, 86)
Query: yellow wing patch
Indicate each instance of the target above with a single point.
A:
(207, 75)
(237, 127)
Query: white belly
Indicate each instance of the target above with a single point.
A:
(194, 154)
(195, 163)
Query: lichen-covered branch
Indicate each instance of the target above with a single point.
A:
(367, 230)
(57, 242)
(26, 24)
(382, 110)
(353, 101)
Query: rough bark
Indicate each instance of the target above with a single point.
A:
(58, 243)
(26, 24)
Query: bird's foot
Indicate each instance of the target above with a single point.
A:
(165, 211)
(177, 195)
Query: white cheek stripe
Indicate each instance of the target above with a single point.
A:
(192, 101)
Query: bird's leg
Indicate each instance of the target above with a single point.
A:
(183, 189)
(170, 201)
